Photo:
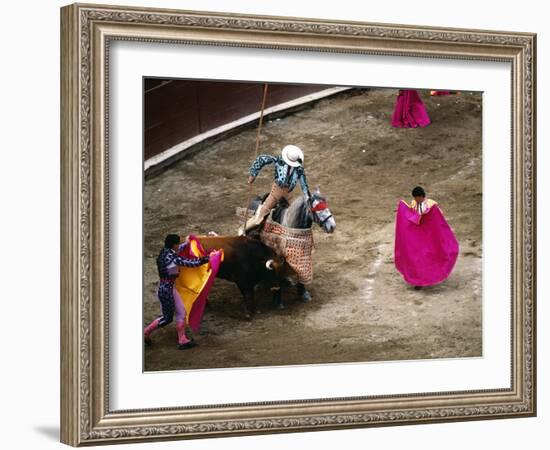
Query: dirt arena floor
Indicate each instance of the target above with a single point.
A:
(362, 310)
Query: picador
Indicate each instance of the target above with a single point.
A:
(288, 172)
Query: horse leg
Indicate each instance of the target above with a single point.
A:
(303, 293)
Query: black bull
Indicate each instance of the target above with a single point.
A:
(247, 262)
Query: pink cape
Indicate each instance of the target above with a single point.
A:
(194, 317)
(426, 248)
(409, 111)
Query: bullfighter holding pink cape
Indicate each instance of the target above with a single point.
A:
(426, 248)
(410, 111)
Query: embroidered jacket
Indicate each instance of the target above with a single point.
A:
(168, 262)
(422, 208)
(285, 176)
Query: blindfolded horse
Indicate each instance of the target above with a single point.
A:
(301, 214)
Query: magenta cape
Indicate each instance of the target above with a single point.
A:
(425, 246)
(409, 111)
(196, 282)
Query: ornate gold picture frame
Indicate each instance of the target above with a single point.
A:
(87, 32)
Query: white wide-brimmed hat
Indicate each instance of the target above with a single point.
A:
(293, 155)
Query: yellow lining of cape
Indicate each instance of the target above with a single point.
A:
(413, 203)
(191, 280)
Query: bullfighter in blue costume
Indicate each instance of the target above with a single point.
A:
(288, 172)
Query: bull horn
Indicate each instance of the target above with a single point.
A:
(269, 264)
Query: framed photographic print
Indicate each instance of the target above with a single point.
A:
(281, 224)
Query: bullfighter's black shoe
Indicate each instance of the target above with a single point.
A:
(187, 345)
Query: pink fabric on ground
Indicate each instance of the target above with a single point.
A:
(441, 93)
(194, 317)
(409, 111)
(426, 248)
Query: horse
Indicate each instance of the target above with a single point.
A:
(305, 210)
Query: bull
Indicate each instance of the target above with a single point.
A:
(247, 262)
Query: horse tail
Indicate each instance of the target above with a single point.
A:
(253, 205)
